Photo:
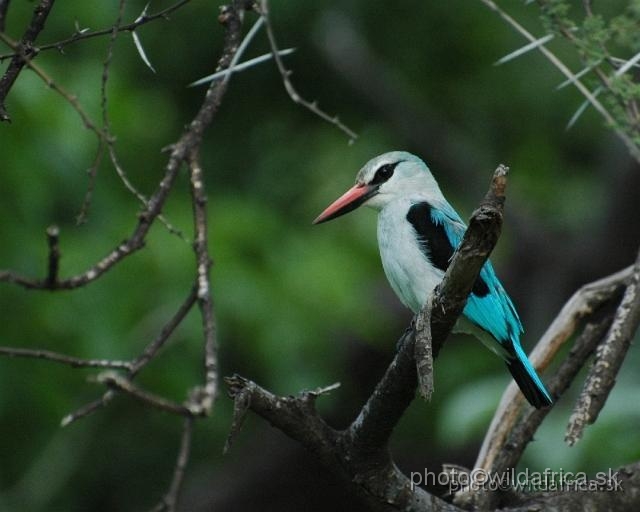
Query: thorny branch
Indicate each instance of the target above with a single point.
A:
(106, 128)
(81, 35)
(74, 362)
(183, 152)
(288, 85)
(574, 79)
(23, 51)
(169, 500)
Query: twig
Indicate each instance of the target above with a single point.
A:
(243, 46)
(170, 499)
(106, 129)
(180, 152)
(205, 299)
(513, 428)
(154, 347)
(625, 103)
(40, 73)
(609, 356)
(122, 384)
(80, 36)
(150, 351)
(106, 124)
(92, 172)
(74, 362)
(288, 85)
(87, 409)
(23, 51)
(53, 233)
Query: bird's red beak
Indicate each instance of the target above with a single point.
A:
(347, 202)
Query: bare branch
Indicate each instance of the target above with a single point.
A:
(40, 73)
(82, 35)
(584, 303)
(377, 480)
(23, 51)
(169, 501)
(53, 233)
(524, 424)
(92, 173)
(150, 351)
(184, 150)
(87, 409)
(120, 383)
(513, 425)
(288, 85)
(609, 356)
(74, 362)
(205, 299)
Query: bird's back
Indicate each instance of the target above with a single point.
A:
(417, 240)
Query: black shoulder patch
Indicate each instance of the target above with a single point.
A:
(432, 237)
(435, 244)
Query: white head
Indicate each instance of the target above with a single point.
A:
(390, 176)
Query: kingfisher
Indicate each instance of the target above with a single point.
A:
(418, 233)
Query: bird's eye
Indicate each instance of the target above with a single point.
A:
(384, 173)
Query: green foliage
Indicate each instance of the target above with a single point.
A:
(605, 40)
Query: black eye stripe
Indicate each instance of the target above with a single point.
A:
(384, 172)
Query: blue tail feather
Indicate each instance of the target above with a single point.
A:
(527, 379)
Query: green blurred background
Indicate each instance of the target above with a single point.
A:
(297, 306)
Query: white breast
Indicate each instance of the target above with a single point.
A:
(408, 270)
